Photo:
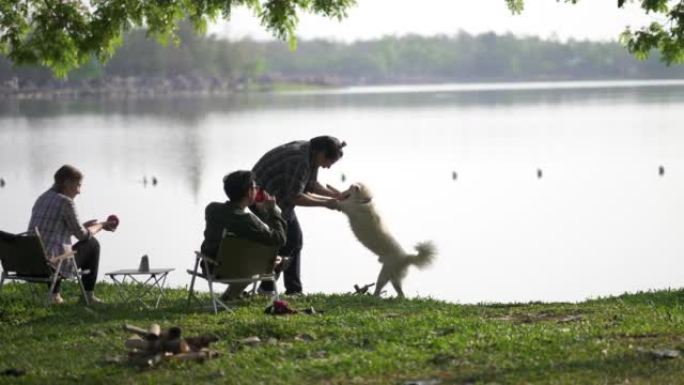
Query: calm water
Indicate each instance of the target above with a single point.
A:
(600, 220)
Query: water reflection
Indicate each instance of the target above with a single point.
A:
(190, 110)
(529, 194)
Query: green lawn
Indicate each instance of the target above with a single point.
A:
(356, 339)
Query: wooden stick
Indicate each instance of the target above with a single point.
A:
(145, 359)
(195, 356)
(175, 346)
(136, 343)
(171, 333)
(158, 346)
(199, 342)
(134, 329)
(155, 329)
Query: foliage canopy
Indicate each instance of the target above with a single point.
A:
(665, 36)
(64, 34)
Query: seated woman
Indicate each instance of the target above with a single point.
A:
(232, 217)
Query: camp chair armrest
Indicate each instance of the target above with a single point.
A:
(62, 257)
(205, 258)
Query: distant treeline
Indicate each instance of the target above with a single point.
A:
(221, 63)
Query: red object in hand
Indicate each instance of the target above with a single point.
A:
(260, 196)
(114, 220)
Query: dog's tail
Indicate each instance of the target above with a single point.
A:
(426, 255)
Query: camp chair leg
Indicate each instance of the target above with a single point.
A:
(211, 286)
(53, 283)
(275, 291)
(215, 301)
(191, 292)
(218, 301)
(211, 293)
(80, 285)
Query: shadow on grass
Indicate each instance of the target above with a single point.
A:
(613, 369)
(19, 307)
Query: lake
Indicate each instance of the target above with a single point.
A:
(531, 191)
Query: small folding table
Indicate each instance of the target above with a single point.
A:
(137, 284)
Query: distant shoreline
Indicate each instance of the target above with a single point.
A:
(142, 87)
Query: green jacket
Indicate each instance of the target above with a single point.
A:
(268, 228)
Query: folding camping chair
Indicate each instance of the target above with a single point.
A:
(239, 261)
(23, 258)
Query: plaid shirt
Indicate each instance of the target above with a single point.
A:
(285, 172)
(54, 215)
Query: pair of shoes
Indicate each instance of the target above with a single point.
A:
(263, 291)
(92, 299)
(56, 299)
(294, 293)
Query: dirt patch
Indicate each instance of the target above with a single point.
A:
(526, 318)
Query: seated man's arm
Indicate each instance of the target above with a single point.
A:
(270, 231)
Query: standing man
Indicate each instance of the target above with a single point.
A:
(290, 173)
(54, 214)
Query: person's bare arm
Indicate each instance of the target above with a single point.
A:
(95, 227)
(328, 191)
(312, 200)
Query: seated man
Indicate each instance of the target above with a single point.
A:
(232, 217)
(54, 214)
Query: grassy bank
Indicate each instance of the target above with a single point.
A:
(355, 339)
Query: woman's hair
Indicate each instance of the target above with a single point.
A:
(237, 184)
(67, 173)
(330, 146)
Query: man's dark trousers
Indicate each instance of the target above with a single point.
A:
(292, 249)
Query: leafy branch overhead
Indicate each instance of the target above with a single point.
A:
(64, 34)
(665, 35)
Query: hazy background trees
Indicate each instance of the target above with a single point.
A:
(408, 59)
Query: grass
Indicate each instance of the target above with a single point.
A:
(357, 339)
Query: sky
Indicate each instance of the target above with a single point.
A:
(599, 20)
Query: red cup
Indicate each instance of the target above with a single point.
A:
(114, 220)
(260, 195)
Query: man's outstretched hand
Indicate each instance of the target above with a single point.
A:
(341, 195)
(332, 204)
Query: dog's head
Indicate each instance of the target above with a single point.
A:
(358, 192)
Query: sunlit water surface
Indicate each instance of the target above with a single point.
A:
(557, 193)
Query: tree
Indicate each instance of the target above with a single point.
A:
(666, 37)
(64, 34)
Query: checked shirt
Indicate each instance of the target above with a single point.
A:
(55, 216)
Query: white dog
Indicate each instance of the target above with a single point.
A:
(372, 233)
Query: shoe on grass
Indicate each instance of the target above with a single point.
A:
(262, 291)
(56, 299)
(92, 299)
